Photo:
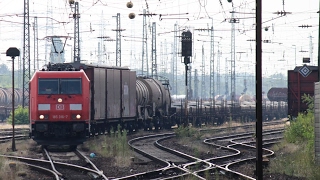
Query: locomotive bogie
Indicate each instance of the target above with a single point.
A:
(60, 133)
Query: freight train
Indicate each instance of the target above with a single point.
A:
(71, 101)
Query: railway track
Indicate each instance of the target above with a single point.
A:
(189, 165)
(63, 165)
(172, 164)
(233, 151)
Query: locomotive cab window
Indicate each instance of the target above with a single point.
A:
(48, 86)
(60, 86)
(70, 86)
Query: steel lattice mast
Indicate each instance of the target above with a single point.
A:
(144, 44)
(154, 72)
(49, 31)
(233, 61)
(26, 55)
(212, 92)
(218, 70)
(196, 94)
(174, 58)
(76, 17)
(35, 45)
(203, 74)
(226, 78)
(118, 40)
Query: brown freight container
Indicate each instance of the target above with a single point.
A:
(128, 86)
(298, 85)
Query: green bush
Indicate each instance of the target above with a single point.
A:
(302, 128)
(20, 116)
(300, 134)
(183, 132)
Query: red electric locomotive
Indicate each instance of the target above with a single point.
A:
(59, 107)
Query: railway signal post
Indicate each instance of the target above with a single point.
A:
(13, 52)
(186, 52)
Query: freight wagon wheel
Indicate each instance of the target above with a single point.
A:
(157, 123)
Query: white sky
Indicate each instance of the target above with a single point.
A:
(287, 38)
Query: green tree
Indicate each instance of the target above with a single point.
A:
(20, 116)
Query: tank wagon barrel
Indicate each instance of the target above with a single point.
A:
(278, 94)
(151, 92)
(4, 97)
(6, 101)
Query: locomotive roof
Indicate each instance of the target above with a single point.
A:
(76, 66)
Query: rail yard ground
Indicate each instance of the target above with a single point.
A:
(116, 162)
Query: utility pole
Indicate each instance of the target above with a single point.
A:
(76, 17)
(49, 30)
(154, 72)
(319, 44)
(226, 80)
(203, 74)
(311, 49)
(196, 87)
(174, 58)
(26, 55)
(144, 44)
(212, 85)
(218, 70)
(233, 61)
(35, 45)
(259, 145)
(118, 40)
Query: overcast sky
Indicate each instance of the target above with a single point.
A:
(289, 42)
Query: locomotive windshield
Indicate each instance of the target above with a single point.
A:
(60, 86)
(48, 86)
(70, 86)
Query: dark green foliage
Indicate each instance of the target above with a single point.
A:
(20, 116)
(309, 100)
(302, 128)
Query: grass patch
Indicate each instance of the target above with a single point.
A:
(294, 160)
(295, 154)
(11, 169)
(115, 145)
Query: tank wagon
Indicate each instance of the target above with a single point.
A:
(278, 94)
(116, 98)
(6, 101)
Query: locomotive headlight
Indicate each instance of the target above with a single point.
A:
(59, 100)
(41, 116)
(78, 116)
